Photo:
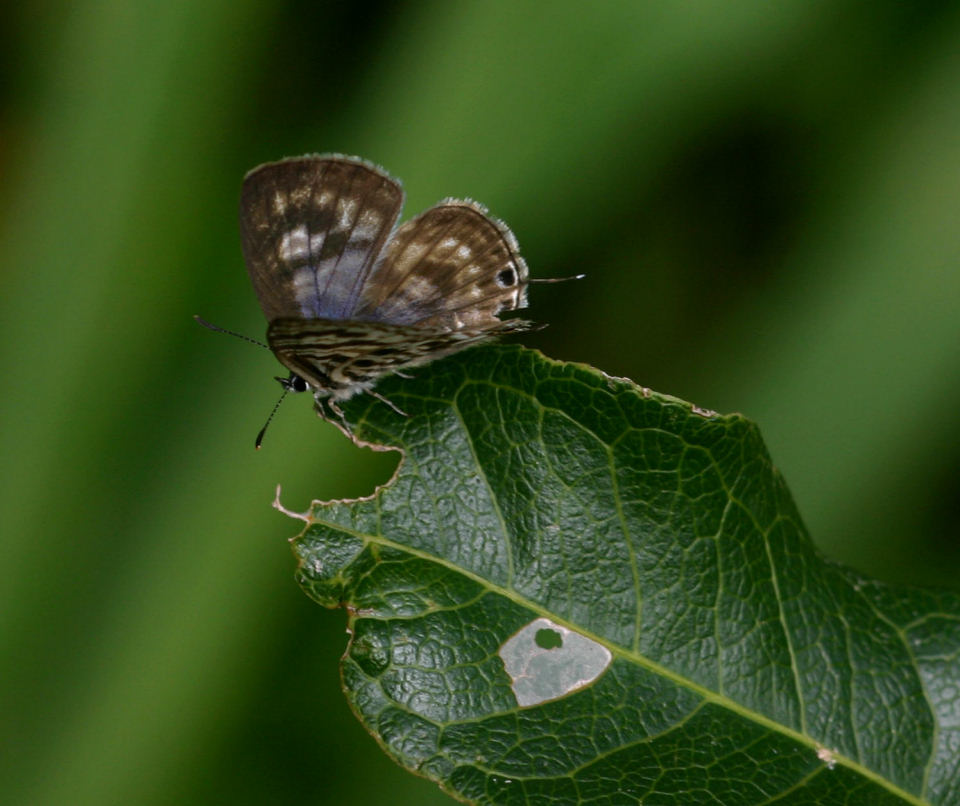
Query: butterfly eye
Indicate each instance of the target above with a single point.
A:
(506, 278)
(294, 383)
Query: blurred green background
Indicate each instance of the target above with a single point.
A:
(765, 199)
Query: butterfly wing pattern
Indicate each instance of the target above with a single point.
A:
(350, 299)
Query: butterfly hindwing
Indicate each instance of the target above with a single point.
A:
(342, 358)
(452, 266)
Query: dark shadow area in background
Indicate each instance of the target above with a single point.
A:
(319, 57)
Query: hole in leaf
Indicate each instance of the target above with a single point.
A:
(549, 639)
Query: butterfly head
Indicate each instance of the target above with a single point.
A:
(293, 383)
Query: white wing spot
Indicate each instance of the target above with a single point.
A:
(316, 242)
(346, 212)
(293, 244)
(413, 253)
(418, 288)
(463, 252)
(448, 243)
(279, 203)
(368, 225)
(300, 196)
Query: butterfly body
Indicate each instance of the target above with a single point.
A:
(349, 297)
(339, 358)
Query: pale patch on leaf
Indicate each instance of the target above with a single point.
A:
(546, 661)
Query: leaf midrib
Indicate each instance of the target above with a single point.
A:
(629, 655)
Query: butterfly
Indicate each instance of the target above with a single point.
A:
(350, 297)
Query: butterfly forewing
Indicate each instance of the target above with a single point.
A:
(451, 267)
(313, 229)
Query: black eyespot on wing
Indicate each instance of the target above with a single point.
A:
(506, 278)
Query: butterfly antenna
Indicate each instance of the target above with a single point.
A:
(555, 279)
(259, 442)
(216, 329)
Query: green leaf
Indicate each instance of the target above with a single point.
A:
(576, 590)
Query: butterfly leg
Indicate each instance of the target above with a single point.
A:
(336, 417)
(338, 412)
(391, 404)
(403, 375)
